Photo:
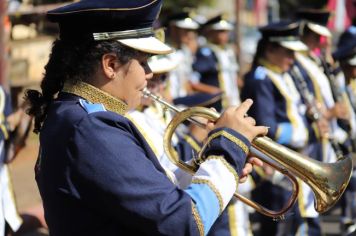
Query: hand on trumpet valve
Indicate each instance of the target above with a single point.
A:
(251, 161)
(234, 118)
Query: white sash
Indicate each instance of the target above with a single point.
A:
(151, 125)
(228, 69)
(320, 80)
(8, 211)
(180, 77)
(295, 109)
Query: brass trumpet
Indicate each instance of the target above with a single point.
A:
(327, 180)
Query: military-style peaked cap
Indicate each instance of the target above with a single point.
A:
(184, 20)
(218, 22)
(160, 64)
(346, 47)
(286, 33)
(129, 22)
(315, 19)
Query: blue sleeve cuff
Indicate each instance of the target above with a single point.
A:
(231, 144)
(206, 203)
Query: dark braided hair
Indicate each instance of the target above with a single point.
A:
(71, 61)
(261, 50)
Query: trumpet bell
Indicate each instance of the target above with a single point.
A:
(327, 180)
(330, 183)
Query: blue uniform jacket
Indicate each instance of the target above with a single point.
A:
(98, 176)
(185, 147)
(206, 65)
(269, 107)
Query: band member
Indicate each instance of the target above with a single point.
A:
(8, 212)
(346, 56)
(184, 31)
(346, 77)
(96, 173)
(317, 73)
(216, 62)
(278, 105)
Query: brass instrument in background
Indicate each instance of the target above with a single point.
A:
(327, 180)
(314, 112)
(338, 93)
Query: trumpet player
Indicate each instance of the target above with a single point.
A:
(96, 173)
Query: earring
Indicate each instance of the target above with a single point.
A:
(112, 76)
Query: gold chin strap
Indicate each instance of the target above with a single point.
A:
(95, 95)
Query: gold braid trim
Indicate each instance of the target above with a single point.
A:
(95, 95)
(232, 219)
(212, 187)
(230, 137)
(270, 66)
(4, 131)
(198, 220)
(227, 165)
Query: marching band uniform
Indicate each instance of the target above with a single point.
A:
(318, 148)
(320, 88)
(278, 104)
(235, 219)
(216, 63)
(316, 72)
(346, 56)
(79, 122)
(96, 173)
(344, 53)
(314, 21)
(8, 211)
(181, 76)
(152, 122)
